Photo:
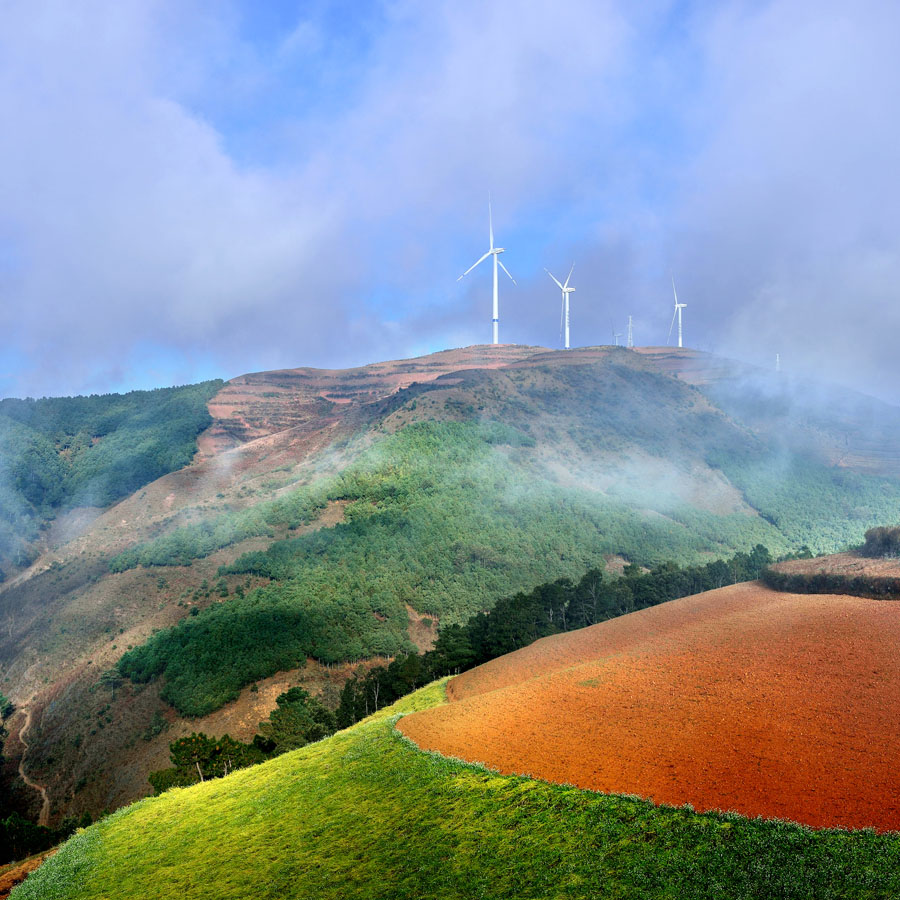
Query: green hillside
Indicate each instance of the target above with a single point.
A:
(460, 497)
(61, 452)
(365, 814)
(346, 515)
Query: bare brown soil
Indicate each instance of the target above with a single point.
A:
(16, 873)
(847, 564)
(260, 404)
(745, 699)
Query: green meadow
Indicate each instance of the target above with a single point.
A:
(365, 814)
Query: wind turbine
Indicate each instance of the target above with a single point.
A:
(678, 308)
(495, 251)
(630, 343)
(566, 290)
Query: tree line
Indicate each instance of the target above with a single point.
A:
(551, 608)
(514, 622)
(882, 541)
(297, 720)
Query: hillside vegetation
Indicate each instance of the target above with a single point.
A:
(61, 452)
(447, 517)
(553, 608)
(364, 814)
(513, 622)
(349, 515)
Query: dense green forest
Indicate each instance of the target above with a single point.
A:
(824, 507)
(445, 517)
(62, 452)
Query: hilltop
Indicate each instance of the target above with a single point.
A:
(330, 519)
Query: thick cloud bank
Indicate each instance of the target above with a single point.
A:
(194, 189)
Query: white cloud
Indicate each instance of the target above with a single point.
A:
(173, 188)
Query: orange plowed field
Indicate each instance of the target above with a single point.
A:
(745, 699)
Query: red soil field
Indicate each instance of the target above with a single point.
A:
(768, 704)
(850, 565)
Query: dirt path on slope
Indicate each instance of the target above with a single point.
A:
(44, 816)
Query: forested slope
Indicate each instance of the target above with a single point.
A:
(332, 518)
(61, 452)
(469, 489)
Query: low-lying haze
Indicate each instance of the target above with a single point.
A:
(196, 189)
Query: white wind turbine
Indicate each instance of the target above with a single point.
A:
(678, 308)
(495, 251)
(566, 290)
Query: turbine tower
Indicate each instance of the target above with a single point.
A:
(630, 343)
(678, 308)
(566, 290)
(495, 252)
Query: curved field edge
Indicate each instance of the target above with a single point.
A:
(366, 814)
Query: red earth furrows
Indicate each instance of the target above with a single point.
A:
(768, 704)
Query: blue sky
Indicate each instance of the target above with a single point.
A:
(194, 189)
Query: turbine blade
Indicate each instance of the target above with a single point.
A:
(491, 221)
(674, 291)
(569, 275)
(669, 338)
(513, 280)
(483, 258)
(554, 278)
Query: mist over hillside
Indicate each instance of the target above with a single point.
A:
(323, 516)
(60, 454)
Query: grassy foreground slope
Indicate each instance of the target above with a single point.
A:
(365, 814)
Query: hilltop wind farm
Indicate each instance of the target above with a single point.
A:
(316, 583)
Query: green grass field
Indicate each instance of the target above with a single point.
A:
(364, 814)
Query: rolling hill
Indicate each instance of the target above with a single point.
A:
(744, 699)
(365, 814)
(329, 519)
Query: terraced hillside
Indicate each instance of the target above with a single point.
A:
(331, 519)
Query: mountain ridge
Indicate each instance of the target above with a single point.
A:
(614, 452)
